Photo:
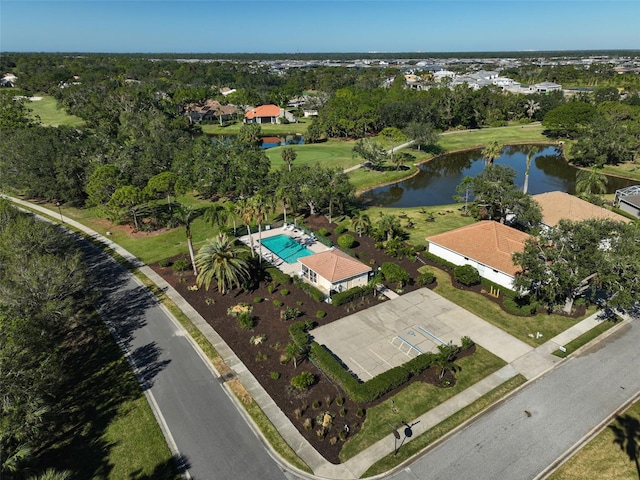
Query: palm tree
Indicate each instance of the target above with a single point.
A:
(244, 208)
(288, 155)
(51, 474)
(532, 108)
(185, 215)
(531, 151)
(261, 209)
(445, 359)
(492, 151)
(230, 207)
(216, 215)
(283, 193)
(361, 223)
(221, 260)
(591, 182)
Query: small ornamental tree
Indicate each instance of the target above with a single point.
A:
(394, 273)
(303, 381)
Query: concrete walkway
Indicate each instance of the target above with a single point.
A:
(527, 361)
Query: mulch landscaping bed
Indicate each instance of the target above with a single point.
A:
(306, 411)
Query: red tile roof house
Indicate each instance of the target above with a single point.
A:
(264, 114)
(334, 271)
(486, 245)
(558, 206)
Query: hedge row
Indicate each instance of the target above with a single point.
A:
(347, 296)
(364, 392)
(438, 261)
(278, 277)
(310, 290)
(299, 336)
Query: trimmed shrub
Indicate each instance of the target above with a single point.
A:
(426, 278)
(275, 375)
(246, 321)
(284, 292)
(466, 343)
(394, 273)
(181, 265)
(466, 275)
(323, 232)
(339, 229)
(303, 381)
(165, 263)
(346, 241)
(321, 314)
(290, 313)
(257, 299)
(278, 303)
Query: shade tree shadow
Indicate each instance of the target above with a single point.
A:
(146, 360)
(627, 436)
(172, 469)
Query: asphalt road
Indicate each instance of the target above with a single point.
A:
(523, 436)
(212, 437)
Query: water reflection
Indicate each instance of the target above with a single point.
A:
(437, 180)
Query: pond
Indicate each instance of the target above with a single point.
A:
(436, 181)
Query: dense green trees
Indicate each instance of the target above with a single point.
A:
(496, 197)
(43, 298)
(598, 258)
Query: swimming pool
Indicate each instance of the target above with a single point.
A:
(286, 248)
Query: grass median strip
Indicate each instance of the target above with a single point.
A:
(584, 338)
(413, 447)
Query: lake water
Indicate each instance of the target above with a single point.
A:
(436, 182)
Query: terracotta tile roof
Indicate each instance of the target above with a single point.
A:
(557, 206)
(334, 265)
(264, 111)
(488, 242)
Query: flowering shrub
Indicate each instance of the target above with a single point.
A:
(240, 309)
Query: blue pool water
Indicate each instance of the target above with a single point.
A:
(286, 248)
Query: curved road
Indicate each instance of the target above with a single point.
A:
(212, 437)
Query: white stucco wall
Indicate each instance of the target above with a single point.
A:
(485, 271)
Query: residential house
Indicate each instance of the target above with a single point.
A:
(545, 87)
(210, 110)
(334, 271)
(486, 245)
(267, 114)
(558, 206)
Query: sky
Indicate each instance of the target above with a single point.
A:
(310, 26)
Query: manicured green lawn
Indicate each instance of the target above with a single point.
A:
(417, 444)
(49, 113)
(602, 457)
(418, 398)
(477, 138)
(524, 328)
(584, 339)
(446, 217)
(330, 154)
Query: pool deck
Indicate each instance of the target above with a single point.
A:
(296, 234)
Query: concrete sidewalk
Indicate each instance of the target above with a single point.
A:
(529, 362)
